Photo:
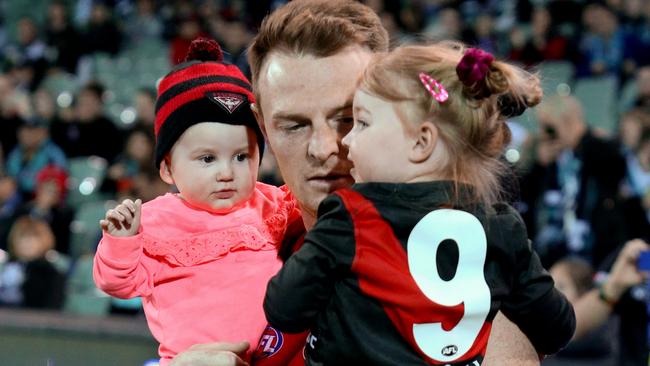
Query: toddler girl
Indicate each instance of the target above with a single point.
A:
(411, 265)
(200, 259)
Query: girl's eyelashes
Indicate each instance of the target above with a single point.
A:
(241, 157)
(207, 159)
(361, 123)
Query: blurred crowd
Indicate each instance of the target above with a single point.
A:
(77, 106)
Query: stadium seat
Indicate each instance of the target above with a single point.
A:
(86, 175)
(628, 96)
(83, 297)
(554, 73)
(598, 98)
(84, 229)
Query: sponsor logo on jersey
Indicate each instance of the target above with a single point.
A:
(449, 350)
(270, 343)
(228, 101)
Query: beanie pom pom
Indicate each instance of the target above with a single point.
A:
(204, 49)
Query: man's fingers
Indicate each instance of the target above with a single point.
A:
(222, 346)
(104, 224)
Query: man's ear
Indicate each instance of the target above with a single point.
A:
(426, 137)
(259, 118)
(165, 171)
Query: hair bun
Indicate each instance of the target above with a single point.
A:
(510, 107)
(204, 49)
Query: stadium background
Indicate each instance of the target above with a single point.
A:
(78, 85)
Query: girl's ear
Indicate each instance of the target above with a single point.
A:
(426, 137)
(165, 171)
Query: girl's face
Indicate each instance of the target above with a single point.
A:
(378, 143)
(213, 165)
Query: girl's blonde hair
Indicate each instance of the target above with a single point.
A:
(471, 123)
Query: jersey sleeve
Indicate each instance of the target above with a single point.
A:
(118, 269)
(305, 283)
(276, 348)
(541, 311)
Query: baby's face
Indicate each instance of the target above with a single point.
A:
(214, 165)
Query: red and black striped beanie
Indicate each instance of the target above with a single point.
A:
(202, 89)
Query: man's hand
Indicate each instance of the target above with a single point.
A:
(123, 220)
(213, 354)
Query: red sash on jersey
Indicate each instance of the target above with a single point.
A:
(380, 266)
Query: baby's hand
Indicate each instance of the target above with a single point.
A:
(123, 220)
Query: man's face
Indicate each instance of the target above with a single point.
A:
(306, 104)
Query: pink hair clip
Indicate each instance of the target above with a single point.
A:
(436, 89)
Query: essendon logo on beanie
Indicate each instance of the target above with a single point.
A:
(228, 101)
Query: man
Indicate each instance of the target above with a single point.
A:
(570, 190)
(305, 63)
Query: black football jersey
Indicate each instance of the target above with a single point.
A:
(413, 274)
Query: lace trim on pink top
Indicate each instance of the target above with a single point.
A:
(208, 246)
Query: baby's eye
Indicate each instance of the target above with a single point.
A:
(241, 157)
(207, 159)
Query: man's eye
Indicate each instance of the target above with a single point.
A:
(207, 159)
(294, 127)
(346, 120)
(241, 157)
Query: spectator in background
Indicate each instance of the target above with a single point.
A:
(234, 38)
(636, 26)
(63, 40)
(144, 26)
(602, 46)
(145, 107)
(643, 88)
(29, 47)
(101, 33)
(27, 56)
(90, 132)
(49, 206)
(570, 191)
(573, 276)
(544, 43)
(10, 200)
(43, 105)
(189, 28)
(482, 34)
(136, 158)
(31, 279)
(635, 191)
(34, 152)
(10, 114)
(617, 279)
(446, 24)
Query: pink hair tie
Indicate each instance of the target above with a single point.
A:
(436, 89)
(474, 66)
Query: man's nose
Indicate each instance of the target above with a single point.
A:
(324, 142)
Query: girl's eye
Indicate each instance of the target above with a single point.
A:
(241, 157)
(361, 123)
(207, 159)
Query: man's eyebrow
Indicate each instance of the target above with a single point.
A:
(296, 117)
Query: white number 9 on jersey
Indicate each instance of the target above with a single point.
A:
(468, 286)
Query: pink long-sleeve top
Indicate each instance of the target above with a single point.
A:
(202, 276)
